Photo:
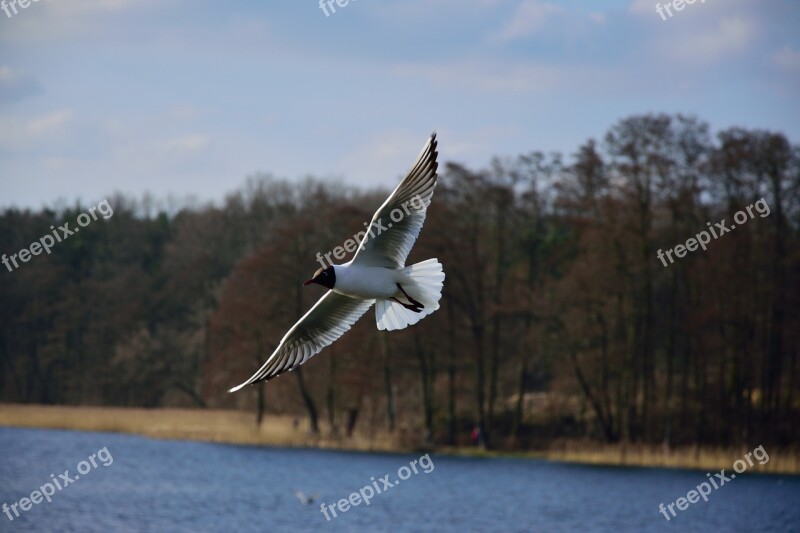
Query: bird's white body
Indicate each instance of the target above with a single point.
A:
(367, 282)
(392, 289)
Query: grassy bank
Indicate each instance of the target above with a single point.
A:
(210, 425)
(236, 427)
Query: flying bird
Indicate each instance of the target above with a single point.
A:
(377, 275)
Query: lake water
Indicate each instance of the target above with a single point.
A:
(153, 485)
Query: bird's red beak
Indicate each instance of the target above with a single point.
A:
(308, 282)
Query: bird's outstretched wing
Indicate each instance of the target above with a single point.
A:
(397, 223)
(330, 317)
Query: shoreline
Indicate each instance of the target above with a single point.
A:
(237, 427)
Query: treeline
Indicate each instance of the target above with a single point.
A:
(559, 317)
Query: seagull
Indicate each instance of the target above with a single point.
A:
(376, 275)
(305, 499)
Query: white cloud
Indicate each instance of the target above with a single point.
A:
(16, 133)
(528, 19)
(91, 6)
(476, 144)
(787, 59)
(411, 9)
(640, 7)
(598, 18)
(6, 75)
(727, 38)
(514, 78)
(383, 158)
(49, 124)
(54, 21)
(187, 145)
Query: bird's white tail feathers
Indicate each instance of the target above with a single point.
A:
(423, 283)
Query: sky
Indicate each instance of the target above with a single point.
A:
(190, 97)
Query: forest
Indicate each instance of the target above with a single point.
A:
(559, 319)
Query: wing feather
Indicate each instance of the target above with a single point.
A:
(328, 320)
(395, 226)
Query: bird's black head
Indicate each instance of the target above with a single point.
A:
(323, 276)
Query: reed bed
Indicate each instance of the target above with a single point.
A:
(237, 427)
